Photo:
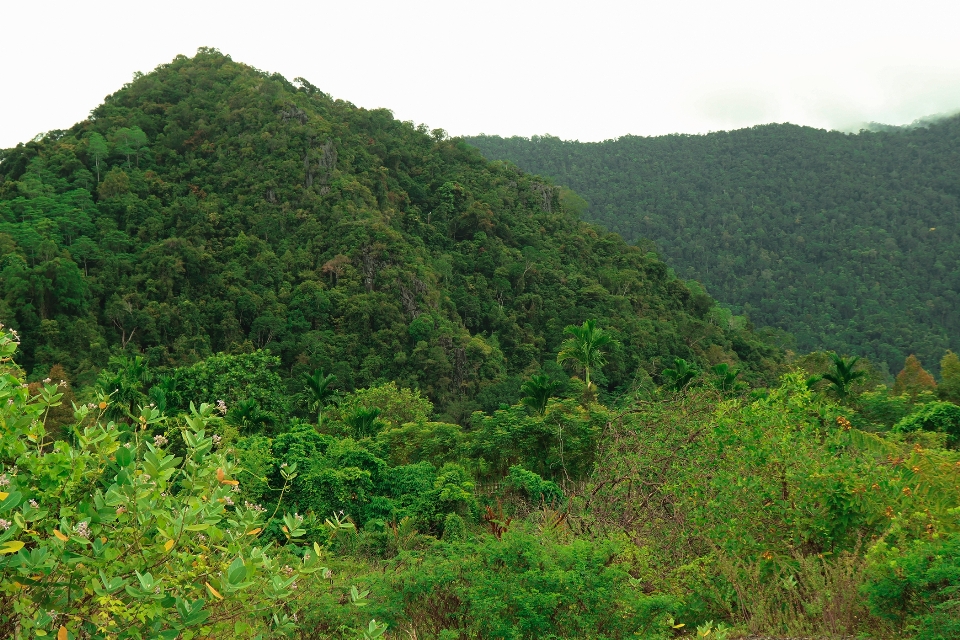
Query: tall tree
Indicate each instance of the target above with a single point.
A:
(318, 386)
(843, 376)
(586, 347)
(949, 388)
(130, 141)
(537, 391)
(98, 150)
(913, 379)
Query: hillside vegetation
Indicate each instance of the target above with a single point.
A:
(273, 366)
(210, 207)
(848, 242)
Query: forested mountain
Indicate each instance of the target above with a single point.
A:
(209, 207)
(274, 366)
(849, 242)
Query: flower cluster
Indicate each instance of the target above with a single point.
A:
(82, 529)
(254, 507)
(159, 441)
(222, 407)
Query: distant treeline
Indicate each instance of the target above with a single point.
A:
(848, 242)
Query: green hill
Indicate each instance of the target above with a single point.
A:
(849, 242)
(210, 207)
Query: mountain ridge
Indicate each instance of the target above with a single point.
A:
(229, 209)
(847, 241)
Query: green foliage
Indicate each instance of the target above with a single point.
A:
(681, 375)
(949, 387)
(845, 241)
(917, 586)
(433, 442)
(767, 483)
(97, 150)
(246, 384)
(843, 376)
(524, 586)
(319, 389)
(935, 416)
(454, 528)
(587, 346)
(537, 391)
(394, 406)
(533, 488)
(880, 407)
(562, 442)
(723, 378)
(239, 212)
(364, 422)
(114, 536)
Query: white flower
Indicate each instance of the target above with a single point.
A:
(82, 529)
(159, 441)
(222, 407)
(4, 480)
(254, 507)
(33, 503)
(5, 524)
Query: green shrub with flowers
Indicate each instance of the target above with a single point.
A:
(112, 532)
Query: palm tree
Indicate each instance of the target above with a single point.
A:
(843, 376)
(247, 416)
(682, 374)
(364, 421)
(318, 386)
(724, 379)
(585, 347)
(537, 391)
(125, 380)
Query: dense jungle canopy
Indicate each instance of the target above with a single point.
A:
(848, 242)
(275, 366)
(210, 207)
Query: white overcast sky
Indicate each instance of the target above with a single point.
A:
(579, 70)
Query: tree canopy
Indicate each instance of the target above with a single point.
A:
(849, 242)
(233, 211)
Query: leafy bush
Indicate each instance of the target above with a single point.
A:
(112, 536)
(936, 416)
(918, 586)
(534, 488)
(248, 381)
(454, 528)
(523, 586)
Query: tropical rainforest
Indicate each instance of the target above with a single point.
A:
(276, 366)
(849, 242)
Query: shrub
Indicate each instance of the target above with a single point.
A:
(936, 416)
(454, 528)
(535, 489)
(113, 536)
(918, 587)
